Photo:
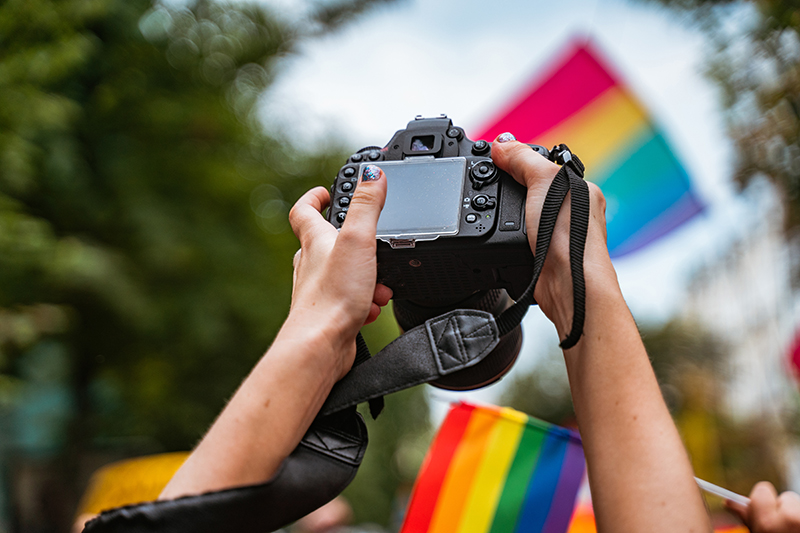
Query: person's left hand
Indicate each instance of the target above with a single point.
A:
(769, 512)
(336, 271)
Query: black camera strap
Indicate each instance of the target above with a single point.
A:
(328, 456)
(568, 179)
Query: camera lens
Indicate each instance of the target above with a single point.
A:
(494, 366)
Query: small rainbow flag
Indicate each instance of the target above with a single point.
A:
(496, 470)
(581, 103)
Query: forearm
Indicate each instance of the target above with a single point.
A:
(639, 472)
(267, 416)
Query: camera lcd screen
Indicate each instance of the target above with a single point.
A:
(423, 200)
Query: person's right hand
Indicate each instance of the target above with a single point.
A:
(769, 512)
(554, 289)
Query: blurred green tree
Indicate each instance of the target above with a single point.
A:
(755, 59)
(143, 232)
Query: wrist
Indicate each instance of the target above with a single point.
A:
(556, 298)
(321, 337)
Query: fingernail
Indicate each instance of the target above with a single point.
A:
(371, 173)
(505, 137)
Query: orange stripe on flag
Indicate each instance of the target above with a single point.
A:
(601, 130)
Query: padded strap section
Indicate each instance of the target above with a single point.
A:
(441, 346)
(318, 470)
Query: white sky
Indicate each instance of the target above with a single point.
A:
(465, 58)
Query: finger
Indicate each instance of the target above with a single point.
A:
(789, 507)
(763, 508)
(359, 227)
(382, 294)
(306, 214)
(518, 159)
(374, 313)
(738, 509)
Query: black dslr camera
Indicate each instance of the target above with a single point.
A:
(451, 235)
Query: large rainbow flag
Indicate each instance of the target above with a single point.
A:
(581, 102)
(496, 470)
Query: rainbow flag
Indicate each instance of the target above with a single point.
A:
(581, 103)
(496, 470)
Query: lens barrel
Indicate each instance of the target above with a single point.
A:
(410, 314)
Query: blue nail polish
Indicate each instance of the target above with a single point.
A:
(505, 137)
(371, 173)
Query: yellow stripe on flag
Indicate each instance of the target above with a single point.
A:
(598, 131)
(461, 473)
(492, 471)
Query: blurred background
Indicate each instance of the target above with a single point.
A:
(150, 152)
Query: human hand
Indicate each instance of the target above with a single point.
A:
(768, 512)
(554, 289)
(335, 272)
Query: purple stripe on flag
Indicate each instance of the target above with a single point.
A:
(683, 210)
(566, 491)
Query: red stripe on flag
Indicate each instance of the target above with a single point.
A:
(434, 469)
(567, 88)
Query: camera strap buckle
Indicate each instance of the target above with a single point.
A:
(562, 155)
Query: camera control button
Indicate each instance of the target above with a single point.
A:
(483, 171)
(472, 218)
(348, 172)
(340, 217)
(480, 201)
(347, 186)
(480, 147)
(455, 133)
(355, 158)
(344, 201)
(374, 156)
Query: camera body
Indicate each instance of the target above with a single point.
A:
(453, 224)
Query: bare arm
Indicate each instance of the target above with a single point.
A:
(334, 294)
(639, 473)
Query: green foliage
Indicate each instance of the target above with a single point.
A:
(679, 350)
(143, 216)
(542, 392)
(676, 350)
(126, 182)
(757, 67)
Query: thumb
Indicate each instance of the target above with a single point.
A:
(360, 225)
